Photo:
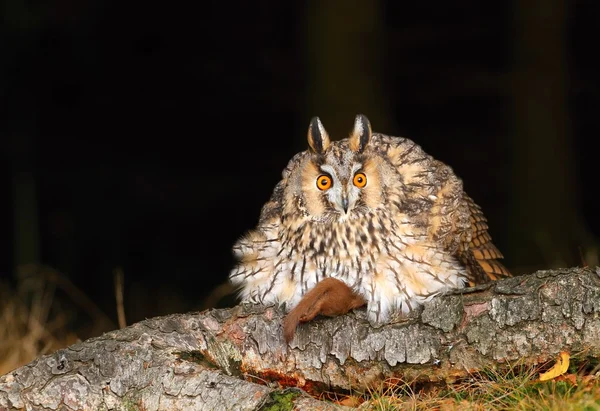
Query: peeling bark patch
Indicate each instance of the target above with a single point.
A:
(234, 330)
(471, 312)
(267, 334)
(285, 380)
(481, 334)
(454, 311)
(221, 314)
(395, 351)
(210, 323)
(288, 380)
(475, 310)
(171, 325)
(511, 311)
(195, 357)
(225, 355)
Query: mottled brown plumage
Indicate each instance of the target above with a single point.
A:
(373, 211)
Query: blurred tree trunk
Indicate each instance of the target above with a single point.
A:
(20, 22)
(345, 65)
(26, 238)
(545, 220)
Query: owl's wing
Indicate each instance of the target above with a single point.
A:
(480, 255)
(273, 208)
(454, 221)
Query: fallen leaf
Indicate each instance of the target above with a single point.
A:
(449, 404)
(350, 401)
(572, 378)
(588, 382)
(588, 379)
(561, 367)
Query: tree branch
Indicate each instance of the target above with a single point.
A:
(222, 358)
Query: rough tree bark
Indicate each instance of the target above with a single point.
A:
(237, 359)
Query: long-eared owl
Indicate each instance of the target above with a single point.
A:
(373, 211)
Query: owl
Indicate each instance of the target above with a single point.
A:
(373, 213)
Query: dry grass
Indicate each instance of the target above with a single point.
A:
(517, 389)
(26, 331)
(34, 321)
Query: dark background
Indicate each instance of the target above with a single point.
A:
(147, 136)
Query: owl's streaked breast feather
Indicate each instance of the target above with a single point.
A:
(412, 233)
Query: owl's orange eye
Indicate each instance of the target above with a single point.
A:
(360, 180)
(323, 182)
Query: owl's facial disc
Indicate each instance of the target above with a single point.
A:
(344, 190)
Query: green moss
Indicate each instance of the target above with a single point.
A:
(281, 400)
(130, 405)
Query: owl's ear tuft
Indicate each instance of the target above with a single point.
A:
(318, 139)
(361, 133)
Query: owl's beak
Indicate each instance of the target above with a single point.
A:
(340, 200)
(345, 202)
